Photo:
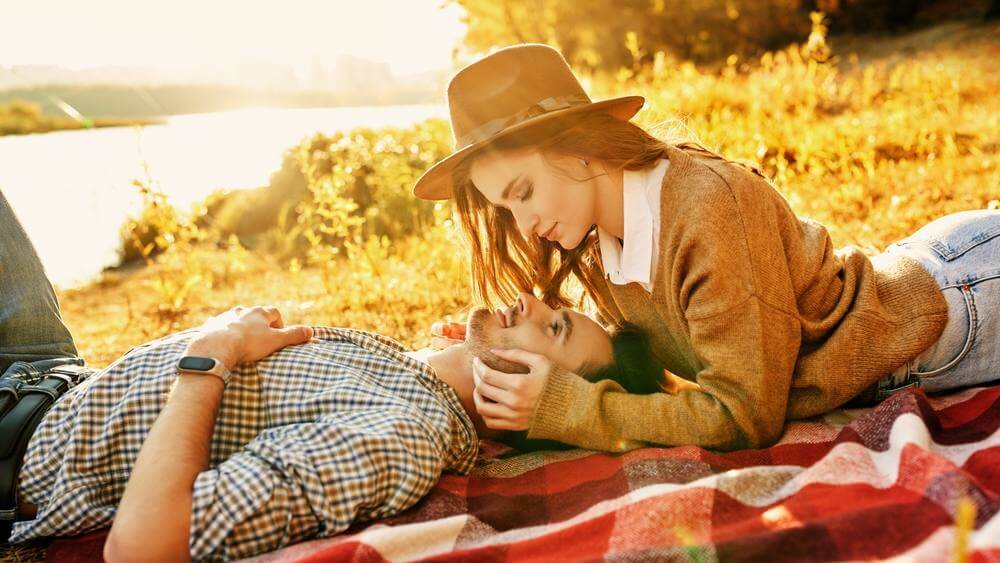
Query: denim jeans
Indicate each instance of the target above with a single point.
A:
(32, 333)
(962, 252)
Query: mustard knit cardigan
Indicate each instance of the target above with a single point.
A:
(755, 306)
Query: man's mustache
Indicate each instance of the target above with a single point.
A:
(480, 344)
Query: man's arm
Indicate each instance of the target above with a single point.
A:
(153, 518)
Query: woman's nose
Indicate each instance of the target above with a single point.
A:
(526, 224)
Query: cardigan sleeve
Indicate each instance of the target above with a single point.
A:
(741, 405)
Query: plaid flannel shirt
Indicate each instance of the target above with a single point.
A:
(314, 437)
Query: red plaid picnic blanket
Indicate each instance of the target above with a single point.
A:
(915, 477)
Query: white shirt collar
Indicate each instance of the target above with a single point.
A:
(633, 259)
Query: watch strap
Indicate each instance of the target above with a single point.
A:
(204, 365)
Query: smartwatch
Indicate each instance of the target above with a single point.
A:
(202, 364)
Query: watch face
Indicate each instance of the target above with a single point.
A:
(196, 363)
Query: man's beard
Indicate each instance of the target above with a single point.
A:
(482, 335)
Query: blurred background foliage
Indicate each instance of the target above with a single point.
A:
(871, 136)
(600, 35)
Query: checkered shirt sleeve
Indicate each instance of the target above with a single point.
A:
(308, 440)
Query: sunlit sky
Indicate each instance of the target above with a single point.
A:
(410, 35)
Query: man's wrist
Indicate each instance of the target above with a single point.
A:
(218, 345)
(208, 383)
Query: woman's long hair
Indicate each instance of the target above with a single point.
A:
(503, 261)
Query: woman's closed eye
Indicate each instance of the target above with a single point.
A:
(527, 193)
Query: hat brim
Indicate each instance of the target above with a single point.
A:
(436, 184)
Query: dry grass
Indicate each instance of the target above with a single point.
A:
(29, 552)
(415, 284)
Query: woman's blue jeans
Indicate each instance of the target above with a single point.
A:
(32, 332)
(962, 252)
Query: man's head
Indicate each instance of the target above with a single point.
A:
(567, 338)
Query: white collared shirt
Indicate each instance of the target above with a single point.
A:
(634, 258)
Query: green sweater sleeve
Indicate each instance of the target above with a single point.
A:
(749, 354)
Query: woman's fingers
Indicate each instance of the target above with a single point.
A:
(506, 381)
(496, 394)
(500, 414)
(455, 331)
(500, 424)
(519, 356)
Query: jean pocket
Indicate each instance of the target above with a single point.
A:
(957, 338)
(953, 235)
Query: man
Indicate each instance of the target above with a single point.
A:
(313, 428)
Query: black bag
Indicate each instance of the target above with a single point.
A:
(26, 393)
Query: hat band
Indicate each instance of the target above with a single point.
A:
(494, 126)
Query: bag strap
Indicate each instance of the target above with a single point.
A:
(19, 423)
(9, 394)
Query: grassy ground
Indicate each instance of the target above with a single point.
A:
(896, 132)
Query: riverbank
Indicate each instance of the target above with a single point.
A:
(50, 124)
(21, 117)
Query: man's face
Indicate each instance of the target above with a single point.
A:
(566, 337)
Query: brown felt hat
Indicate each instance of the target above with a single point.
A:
(508, 91)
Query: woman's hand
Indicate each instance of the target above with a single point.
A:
(447, 334)
(507, 401)
(246, 334)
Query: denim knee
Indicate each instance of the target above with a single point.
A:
(962, 252)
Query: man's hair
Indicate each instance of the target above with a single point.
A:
(633, 367)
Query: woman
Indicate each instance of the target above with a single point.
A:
(739, 296)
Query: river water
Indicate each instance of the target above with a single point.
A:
(72, 190)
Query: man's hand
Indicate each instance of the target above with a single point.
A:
(246, 334)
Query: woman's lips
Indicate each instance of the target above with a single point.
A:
(546, 234)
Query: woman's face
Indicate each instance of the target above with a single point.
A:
(543, 192)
